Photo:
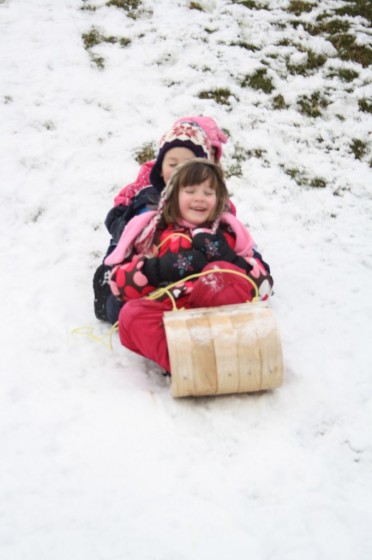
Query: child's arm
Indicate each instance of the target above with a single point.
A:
(215, 247)
(119, 216)
(129, 191)
(141, 275)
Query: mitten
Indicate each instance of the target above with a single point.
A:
(216, 248)
(173, 266)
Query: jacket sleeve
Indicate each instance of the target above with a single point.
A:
(127, 280)
(256, 269)
(129, 191)
(119, 216)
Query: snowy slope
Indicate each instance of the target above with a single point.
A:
(97, 460)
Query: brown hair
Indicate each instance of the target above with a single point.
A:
(194, 172)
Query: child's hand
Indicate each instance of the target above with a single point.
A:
(173, 266)
(216, 248)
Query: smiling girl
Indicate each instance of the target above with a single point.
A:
(188, 253)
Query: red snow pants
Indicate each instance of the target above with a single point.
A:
(141, 326)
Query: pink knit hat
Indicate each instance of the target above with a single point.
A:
(210, 127)
(183, 134)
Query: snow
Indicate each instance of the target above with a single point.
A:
(98, 461)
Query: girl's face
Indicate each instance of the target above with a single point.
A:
(197, 202)
(172, 158)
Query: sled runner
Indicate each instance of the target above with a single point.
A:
(221, 350)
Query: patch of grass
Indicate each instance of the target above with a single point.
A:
(258, 81)
(257, 153)
(124, 42)
(244, 45)
(318, 183)
(126, 5)
(99, 61)
(279, 103)
(313, 62)
(355, 8)
(87, 7)
(146, 153)
(312, 105)
(285, 43)
(365, 105)
(359, 148)
(196, 6)
(92, 38)
(239, 156)
(345, 74)
(251, 4)
(233, 170)
(348, 49)
(297, 175)
(302, 180)
(219, 95)
(330, 27)
(297, 7)
(132, 7)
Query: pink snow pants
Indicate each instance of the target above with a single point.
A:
(141, 326)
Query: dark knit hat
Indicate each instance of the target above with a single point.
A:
(182, 135)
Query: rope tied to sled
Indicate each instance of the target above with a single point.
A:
(166, 290)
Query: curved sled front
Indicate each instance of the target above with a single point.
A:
(221, 350)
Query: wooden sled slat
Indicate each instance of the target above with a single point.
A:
(221, 350)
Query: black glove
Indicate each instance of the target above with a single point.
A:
(173, 266)
(216, 248)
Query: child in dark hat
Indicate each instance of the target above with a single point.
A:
(184, 141)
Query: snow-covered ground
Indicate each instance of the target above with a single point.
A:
(98, 461)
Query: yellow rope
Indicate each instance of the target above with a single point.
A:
(88, 331)
(166, 290)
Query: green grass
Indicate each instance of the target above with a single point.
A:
(312, 105)
(258, 81)
(244, 45)
(345, 74)
(146, 153)
(196, 6)
(219, 95)
(330, 27)
(94, 38)
(359, 148)
(250, 4)
(348, 49)
(313, 62)
(297, 7)
(88, 8)
(279, 103)
(302, 180)
(356, 8)
(365, 105)
(131, 7)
